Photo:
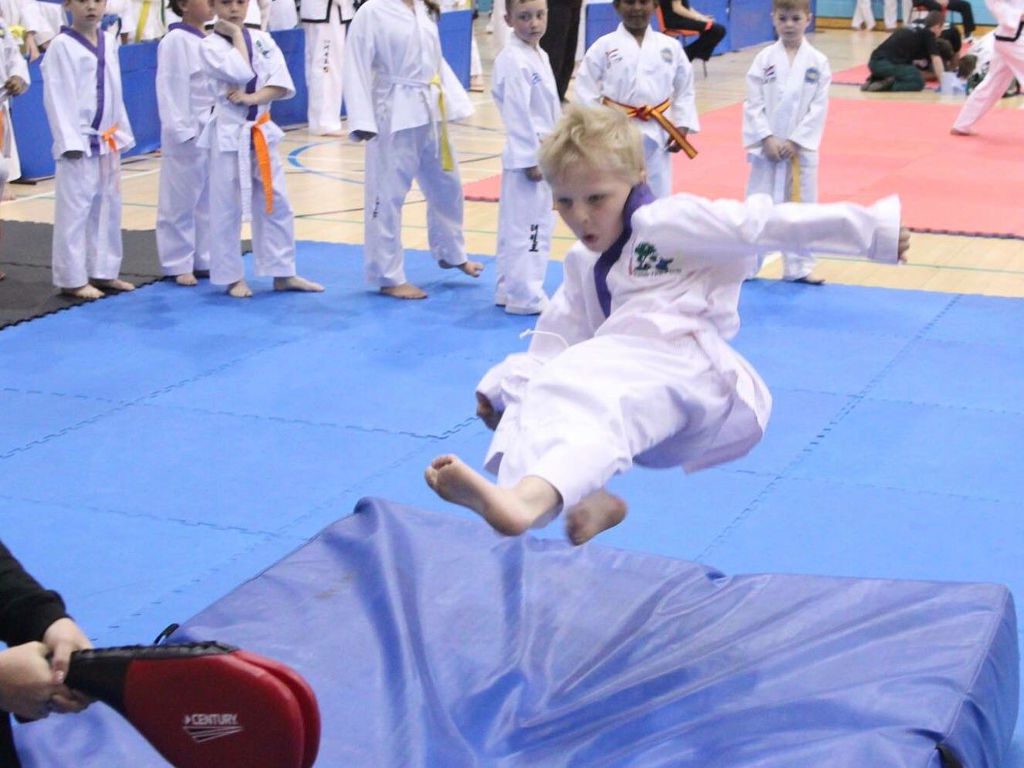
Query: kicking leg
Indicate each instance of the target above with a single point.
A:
(595, 513)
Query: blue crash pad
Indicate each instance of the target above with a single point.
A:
(430, 641)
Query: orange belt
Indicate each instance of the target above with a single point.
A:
(259, 143)
(657, 114)
(108, 137)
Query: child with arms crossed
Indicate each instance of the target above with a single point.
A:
(246, 177)
(524, 89)
(185, 98)
(783, 120)
(82, 96)
(630, 361)
(647, 75)
(400, 94)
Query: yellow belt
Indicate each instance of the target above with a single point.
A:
(447, 162)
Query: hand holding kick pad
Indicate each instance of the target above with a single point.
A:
(206, 705)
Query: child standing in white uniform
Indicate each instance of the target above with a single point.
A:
(523, 86)
(400, 95)
(631, 362)
(82, 96)
(14, 80)
(246, 177)
(185, 98)
(646, 74)
(783, 120)
(325, 23)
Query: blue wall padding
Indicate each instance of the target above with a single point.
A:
(430, 641)
(138, 73)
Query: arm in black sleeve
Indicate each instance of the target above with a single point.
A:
(26, 609)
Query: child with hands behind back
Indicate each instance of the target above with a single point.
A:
(630, 361)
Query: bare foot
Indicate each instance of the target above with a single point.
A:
(112, 285)
(240, 290)
(404, 291)
(296, 283)
(83, 292)
(503, 508)
(958, 132)
(597, 512)
(2, 275)
(471, 268)
(186, 279)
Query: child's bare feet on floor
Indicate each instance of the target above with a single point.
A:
(296, 283)
(404, 291)
(83, 292)
(187, 279)
(471, 268)
(240, 290)
(453, 480)
(596, 513)
(113, 285)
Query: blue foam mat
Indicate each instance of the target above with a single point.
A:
(430, 641)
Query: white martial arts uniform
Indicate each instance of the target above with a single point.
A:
(1007, 63)
(325, 23)
(284, 14)
(523, 87)
(237, 190)
(395, 84)
(11, 63)
(185, 97)
(616, 67)
(654, 381)
(51, 18)
(146, 21)
(790, 102)
(82, 95)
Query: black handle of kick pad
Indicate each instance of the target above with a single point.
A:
(101, 672)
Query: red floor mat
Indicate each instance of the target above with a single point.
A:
(960, 185)
(852, 76)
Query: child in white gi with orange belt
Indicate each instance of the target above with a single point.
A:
(400, 95)
(523, 87)
(82, 96)
(646, 74)
(783, 120)
(246, 177)
(185, 98)
(630, 362)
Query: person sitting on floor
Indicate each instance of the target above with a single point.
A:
(892, 63)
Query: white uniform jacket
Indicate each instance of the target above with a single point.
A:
(229, 129)
(82, 95)
(185, 94)
(1007, 13)
(788, 101)
(319, 11)
(523, 87)
(678, 279)
(392, 55)
(619, 68)
(11, 63)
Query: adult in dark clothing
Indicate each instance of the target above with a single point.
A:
(679, 15)
(892, 63)
(35, 626)
(956, 6)
(559, 41)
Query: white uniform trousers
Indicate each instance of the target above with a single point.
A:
(525, 221)
(776, 179)
(393, 160)
(283, 15)
(325, 55)
(659, 168)
(273, 236)
(183, 210)
(863, 14)
(87, 220)
(1007, 64)
(587, 414)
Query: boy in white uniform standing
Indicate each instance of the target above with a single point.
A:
(523, 86)
(400, 95)
(648, 75)
(185, 98)
(82, 96)
(14, 80)
(246, 178)
(325, 23)
(631, 362)
(783, 120)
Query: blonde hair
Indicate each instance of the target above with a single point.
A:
(600, 138)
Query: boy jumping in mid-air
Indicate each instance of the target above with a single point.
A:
(630, 360)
